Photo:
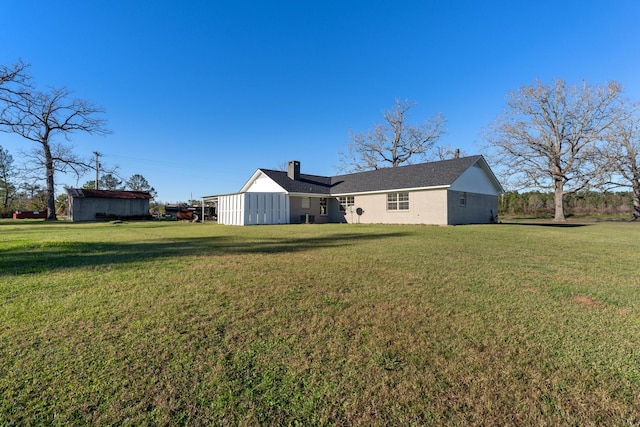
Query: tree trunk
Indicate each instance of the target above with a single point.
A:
(559, 200)
(51, 197)
(636, 199)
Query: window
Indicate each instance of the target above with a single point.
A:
(323, 206)
(463, 200)
(306, 202)
(398, 201)
(346, 202)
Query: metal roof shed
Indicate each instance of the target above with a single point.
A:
(91, 205)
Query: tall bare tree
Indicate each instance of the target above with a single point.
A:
(7, 173)
(622, 153)
(547, 136)
(14, 81)
(44, 117)
(393, 142)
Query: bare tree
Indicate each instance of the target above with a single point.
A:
(445, 152)
(7, 173)
(14, 82)
(547, 136)
(42, 117)
(393, 142)
(622, 153)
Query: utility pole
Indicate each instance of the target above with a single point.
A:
(97, 167)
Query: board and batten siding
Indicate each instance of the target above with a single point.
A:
(253, 209)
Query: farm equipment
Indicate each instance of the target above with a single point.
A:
(191, 213)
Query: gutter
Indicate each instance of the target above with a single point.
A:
(392, 190)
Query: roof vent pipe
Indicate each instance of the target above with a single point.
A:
(293, 170)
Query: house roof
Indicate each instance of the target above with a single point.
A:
(108, 194)
(313, 184)
(423, 175)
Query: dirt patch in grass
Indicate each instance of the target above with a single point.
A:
(587, 301)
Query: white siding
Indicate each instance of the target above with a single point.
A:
(264, 184)
(253, 209)
(230, 209)
(475, 180)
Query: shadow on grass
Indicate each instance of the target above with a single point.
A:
(34, 221)
(45, 256)
(546, 224)
(37, 225)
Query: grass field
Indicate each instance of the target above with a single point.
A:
(162, 323)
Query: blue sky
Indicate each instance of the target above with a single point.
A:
(199, 94)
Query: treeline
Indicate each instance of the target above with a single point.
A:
(540, 204)
(27, 198)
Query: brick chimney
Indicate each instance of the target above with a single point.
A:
(293, 171)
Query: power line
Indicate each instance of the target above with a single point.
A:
(164, 163)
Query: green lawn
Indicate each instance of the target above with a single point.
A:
(164, 323)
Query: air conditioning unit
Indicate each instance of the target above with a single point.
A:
(307, 219)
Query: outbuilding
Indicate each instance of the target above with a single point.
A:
(92, 205)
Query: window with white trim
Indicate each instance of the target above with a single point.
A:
(346, 202)
(306, 203)
(463, 200)
(323, 206)
(398, 201)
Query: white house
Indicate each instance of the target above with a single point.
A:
(457, 191)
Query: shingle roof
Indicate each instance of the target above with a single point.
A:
(421, 175)
(108, 194)
(313, 184)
